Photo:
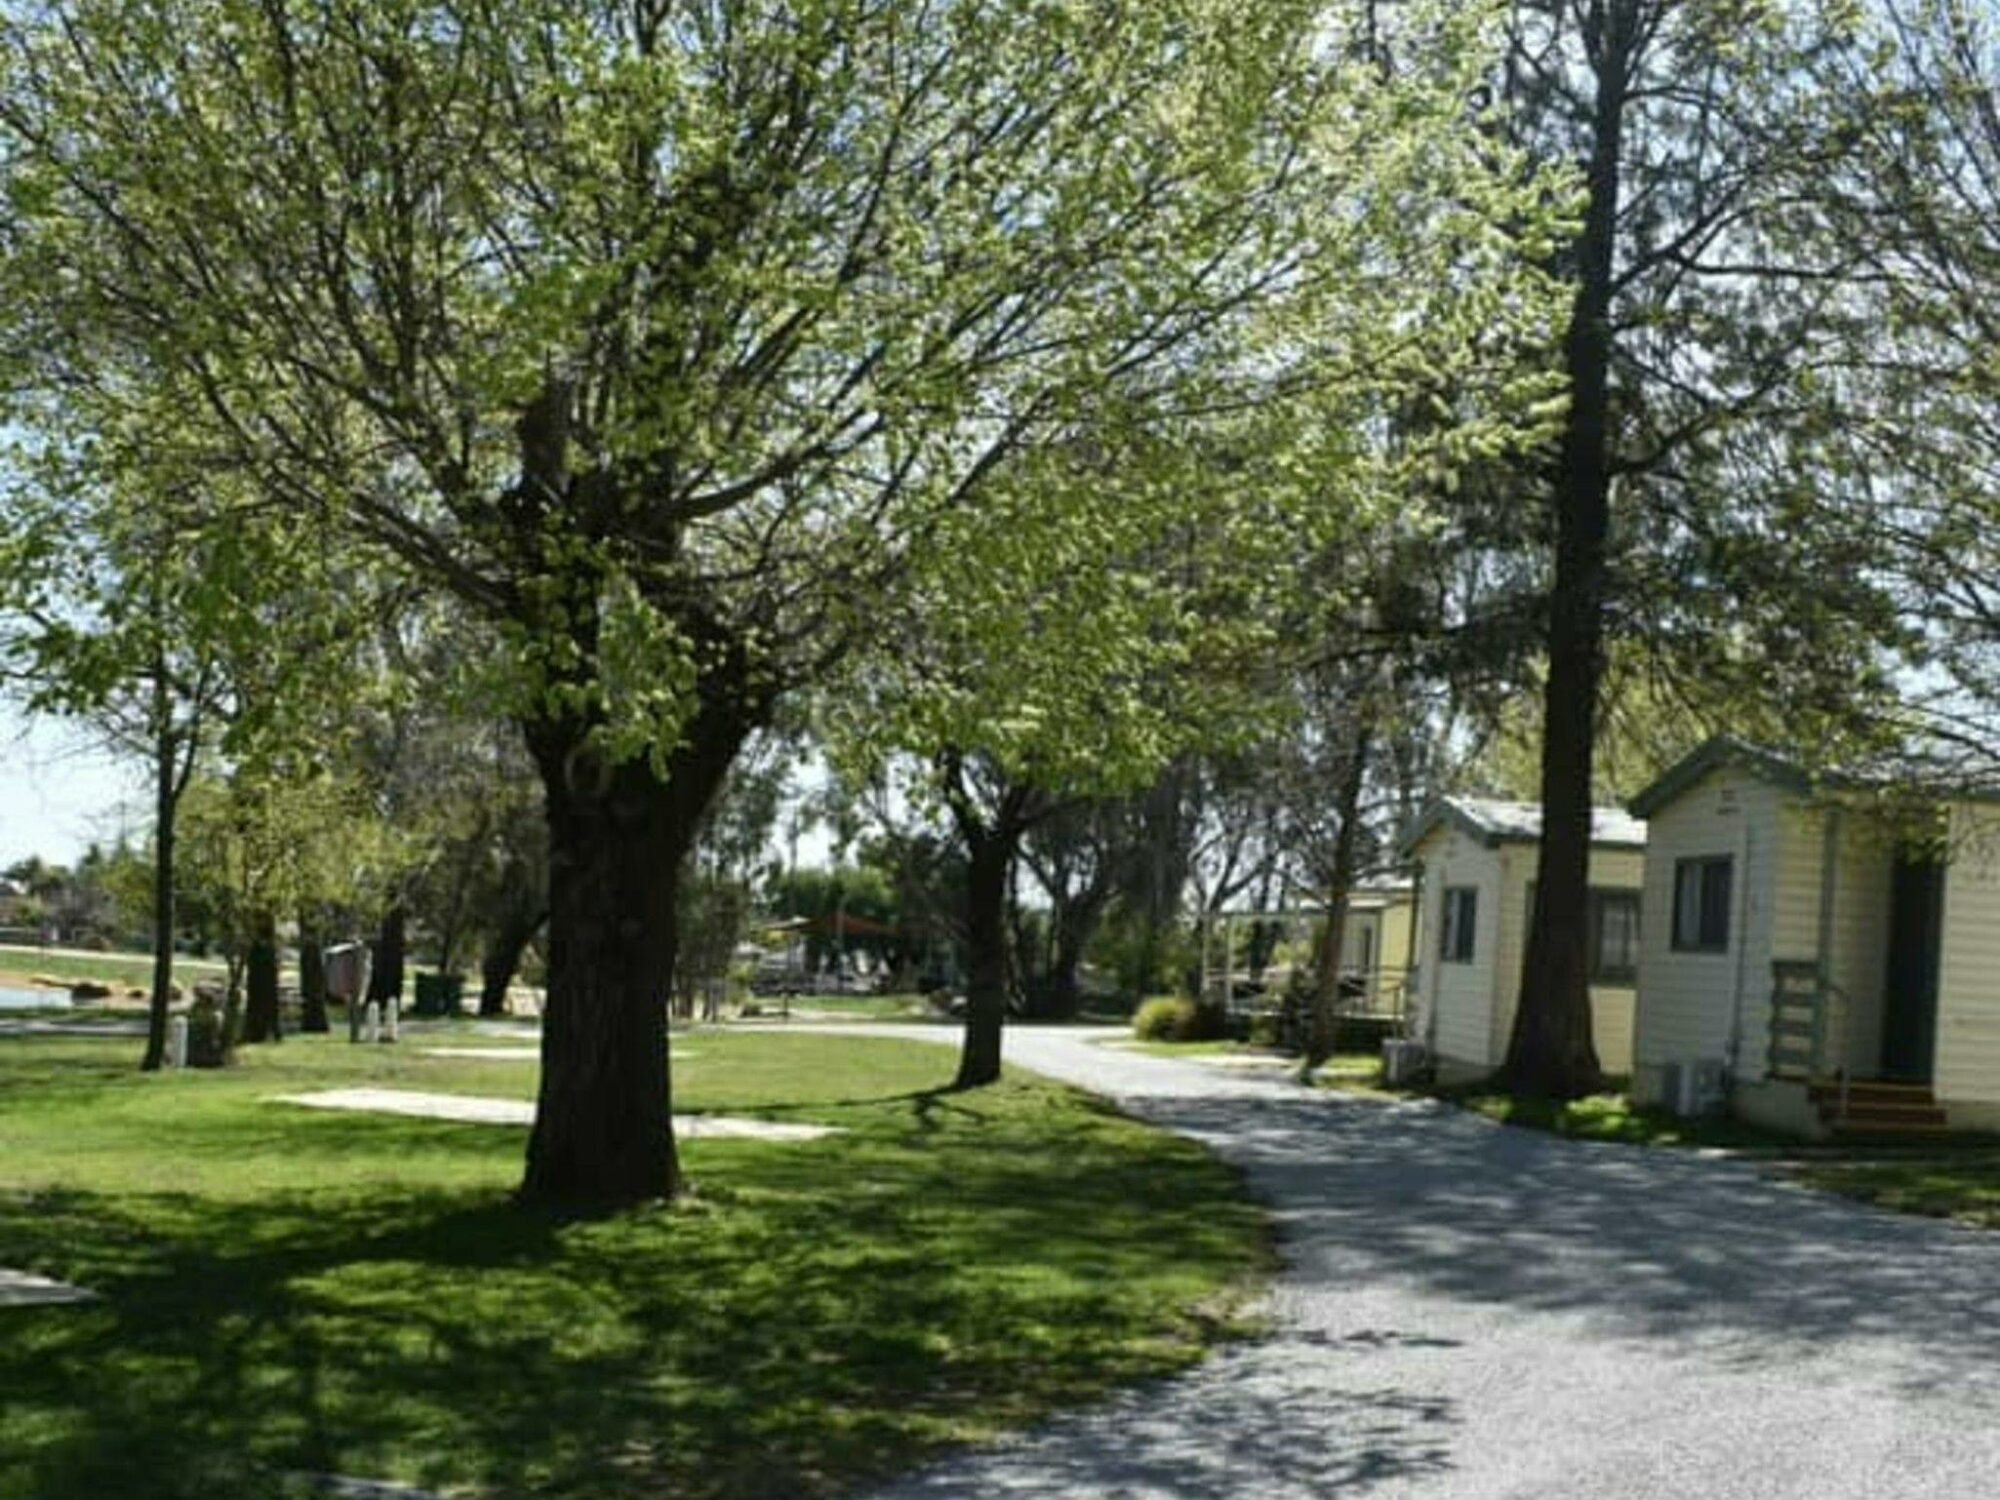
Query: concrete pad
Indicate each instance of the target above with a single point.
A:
(480, 1110)
(25, 1289)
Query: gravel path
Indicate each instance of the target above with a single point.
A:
(1473, 1311)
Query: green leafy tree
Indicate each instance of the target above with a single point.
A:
(1686, 498)
(664, 338)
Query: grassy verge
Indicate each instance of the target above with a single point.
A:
(1186, 1049)
(1961, 1184)
(1611, 1117)
(21, 965)
(1599, 1117)
(288, 1290)
(857, 1007)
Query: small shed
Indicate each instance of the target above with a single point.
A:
(1475, 860)
(1829, 953)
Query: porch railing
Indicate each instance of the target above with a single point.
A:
(1809, 1013)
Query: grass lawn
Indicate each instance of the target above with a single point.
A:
(856, 1007)
(127, 970)
(288, 1290)
(1185, 1049)
(1611, 1117)
(1961, 1184)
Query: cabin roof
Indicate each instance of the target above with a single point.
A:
(1493, 823)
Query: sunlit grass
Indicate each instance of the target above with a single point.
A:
(286, 1290)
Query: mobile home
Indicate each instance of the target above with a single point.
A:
(1476, 872)
(1828, 949)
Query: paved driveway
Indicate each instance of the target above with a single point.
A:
(1469, 1310)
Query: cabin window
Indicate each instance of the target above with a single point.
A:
(1461, 914)
(1614, 937)
(1701, 904)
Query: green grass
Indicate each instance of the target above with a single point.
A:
(858, 1007)
(1961, 1184)
(126, 970)
(1609, 1117)
(290, 1290)
(1180, 1049)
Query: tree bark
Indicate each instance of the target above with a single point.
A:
(989, 851)
(619, 837)
(1551, 1051)
(1340, 886)
(385, 972)
(166, 798)
(1074, 923)
(312, 976)
(502, 958)
(261, 1019)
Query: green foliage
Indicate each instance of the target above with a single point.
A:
(675, 428)
(327, 1293)
(1175, 1018)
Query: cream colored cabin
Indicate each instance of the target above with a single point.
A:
(1476, 870)
(1819, 957)
(1375, 948)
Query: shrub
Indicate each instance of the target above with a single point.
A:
(1165, 1018)
(1174, 1018)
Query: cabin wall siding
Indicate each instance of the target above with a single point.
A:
(1686, 1000)
(1611, 1006)
(1461, 995)
(1968, 1045)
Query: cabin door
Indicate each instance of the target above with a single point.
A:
(1916, 921)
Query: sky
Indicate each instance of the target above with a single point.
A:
(58, 792)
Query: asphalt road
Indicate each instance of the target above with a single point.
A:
(1474, 1311)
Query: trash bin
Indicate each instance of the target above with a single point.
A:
(439, 994)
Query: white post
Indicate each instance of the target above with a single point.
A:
(392, 1014)
(371, 1022)
(177, 1041)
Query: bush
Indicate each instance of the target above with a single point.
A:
(1174, 1018)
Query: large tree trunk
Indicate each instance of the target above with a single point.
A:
(618, 842)
(1074, 923)
(1551, 1051)
(502, 958)
(312, 975)
(385, 971)
(990, 853)
(1340, 885)
(166, 797)
(261, 1020)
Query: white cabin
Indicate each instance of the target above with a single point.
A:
(1827, 954)
(1476, 873)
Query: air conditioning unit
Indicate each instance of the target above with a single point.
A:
(1700, 1087)
(1402, 1060)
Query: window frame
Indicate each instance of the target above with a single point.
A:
(1702, 940)
(1602, 897)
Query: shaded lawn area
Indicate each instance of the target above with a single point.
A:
(1961, 1183)
(292, 1290)
(1612, 1117)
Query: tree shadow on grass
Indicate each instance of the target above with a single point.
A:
(814, 1314)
